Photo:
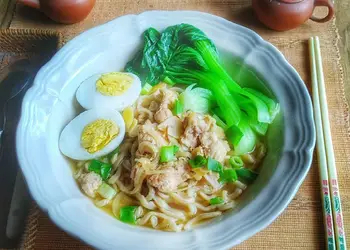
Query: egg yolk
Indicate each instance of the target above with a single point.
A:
(96, 135)
(114, 84)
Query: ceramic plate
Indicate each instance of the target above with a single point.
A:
(50, 104)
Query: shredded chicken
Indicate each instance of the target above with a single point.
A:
(90, 182)
(167, 100)
(213, 146)
(176, 173)
(195, 125)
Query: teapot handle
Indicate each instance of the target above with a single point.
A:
(327, 3)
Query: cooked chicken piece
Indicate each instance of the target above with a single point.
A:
(213, 146)
(195, 125)
(144, 135)
(167, 100)
(162, 114)
(90, 183)
(153, 106)
(177, 173)
(172, 126)
(149, 139)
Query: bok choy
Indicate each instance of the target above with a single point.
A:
(183, 54)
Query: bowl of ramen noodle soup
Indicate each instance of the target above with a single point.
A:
(166, 130)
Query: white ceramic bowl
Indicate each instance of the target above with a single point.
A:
(50, 104)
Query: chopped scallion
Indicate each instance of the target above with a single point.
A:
(128, 214)
(106, 191)
(236, 162)
(214, 165)
(246, 175)
(216, 201)
(167, 153)
(197, 162)
(101, 168)
(146, 89)
(178, 108)
(95, 166)
(105, 171)
(228, 175)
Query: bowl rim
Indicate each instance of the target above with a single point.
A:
(305, 152)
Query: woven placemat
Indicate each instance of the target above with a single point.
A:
(300, 225)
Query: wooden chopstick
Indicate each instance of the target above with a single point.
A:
(332, 211)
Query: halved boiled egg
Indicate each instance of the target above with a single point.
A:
(93, 133)
(115, 90)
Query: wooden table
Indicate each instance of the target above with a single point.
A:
(311, 187)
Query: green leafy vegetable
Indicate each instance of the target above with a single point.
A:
(183, 54)
(219, 122)
(216, 201)
(106, 191)
(196, 99)
(101, 168)
(236, 162)
(178, 108)
(249, 138)
(197, 162)
(128, 214)
(167, 153)
(214, 165)
(228, 175)
(246, 175)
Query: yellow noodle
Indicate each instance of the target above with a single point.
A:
(180, 199)
(226, 206)
(200, 217)
(235, 194)
(240, 185)
(139, 158)
(165, 208)
(143, 201)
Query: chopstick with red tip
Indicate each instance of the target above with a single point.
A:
(332, 211)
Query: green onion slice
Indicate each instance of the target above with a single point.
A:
(228, 175)
(178, 107)
(216, 201)
(101, 168)
(236, 162)
(167, 153)
(146, 89)
(246, 175)
(128, 214)
(106, 191)
(214, 165)
(95, 166)
(197, 162)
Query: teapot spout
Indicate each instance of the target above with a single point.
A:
(31, 3)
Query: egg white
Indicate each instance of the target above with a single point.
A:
(70, 138)
(89, 97)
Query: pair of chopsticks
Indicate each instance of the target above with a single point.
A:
(332, 211)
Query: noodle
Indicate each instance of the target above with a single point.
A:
(200, 217)
(136, 164)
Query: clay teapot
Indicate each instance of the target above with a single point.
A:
(284, 15)
(63, 11)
